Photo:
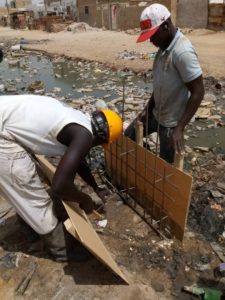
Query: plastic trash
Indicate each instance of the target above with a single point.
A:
(204, 293)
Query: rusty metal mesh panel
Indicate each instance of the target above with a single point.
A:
(144, 179)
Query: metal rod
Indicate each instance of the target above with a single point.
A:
(130, 188)
(160, 220)
(156, 152)
(144, 219)
(145, 157)
(163, 197)
(136, 208)
(121, 158)
(124, 153)
(135, 171)
(123, 102)
(160, 179)
(127, 172)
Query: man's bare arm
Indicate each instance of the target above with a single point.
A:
(196, 89)
(79, 141)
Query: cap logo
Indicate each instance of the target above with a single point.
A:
(146, 24)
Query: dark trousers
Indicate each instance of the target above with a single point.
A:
(166, 148)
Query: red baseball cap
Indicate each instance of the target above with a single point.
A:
(151, 19)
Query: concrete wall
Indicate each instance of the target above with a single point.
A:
(3, 11)
(217, 16)
(129, 17)
(129, 13)
(89, 17)
(23, 3)
(192, 13)
(126, 12)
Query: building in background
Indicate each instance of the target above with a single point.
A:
(125, 14)
(192, 13)
(40, 8)
(66, 8)
(216, 18)
(121, 14)
(110, 14)
(116, 15)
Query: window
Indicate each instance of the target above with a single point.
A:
(13, 4)
(86, 10)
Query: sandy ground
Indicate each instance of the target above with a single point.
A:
(104, 46)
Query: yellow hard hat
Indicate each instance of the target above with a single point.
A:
(106, 125)
(115, 124)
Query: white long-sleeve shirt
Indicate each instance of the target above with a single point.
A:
(35, 121)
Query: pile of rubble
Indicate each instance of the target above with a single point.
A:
(81, 27)
(57, 27)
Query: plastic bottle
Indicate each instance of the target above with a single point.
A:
(212, 294)
(204, 293)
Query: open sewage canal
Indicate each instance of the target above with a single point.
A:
(83, 84)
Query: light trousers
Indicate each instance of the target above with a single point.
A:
(21, 185)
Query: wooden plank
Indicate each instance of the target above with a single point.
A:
(82, 228)
(49, 170)
(70, 228)
(179, 161)
(157, 183)
(90, 239)
(139, 132)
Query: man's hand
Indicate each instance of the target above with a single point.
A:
(178, 139)
(86, 204)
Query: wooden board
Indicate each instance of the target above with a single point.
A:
(159, 187)
(82, 228)
(90, 239)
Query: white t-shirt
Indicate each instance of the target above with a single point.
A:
(35, 121)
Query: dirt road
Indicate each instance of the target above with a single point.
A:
(104, 46)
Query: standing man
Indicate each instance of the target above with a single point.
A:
(177, 82)
(31, 124)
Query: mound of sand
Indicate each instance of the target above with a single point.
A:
(81, 27)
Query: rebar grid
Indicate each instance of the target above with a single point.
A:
(136, 207)
(150, 201)
(150, 182)
(147, 169)
(125, 194)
